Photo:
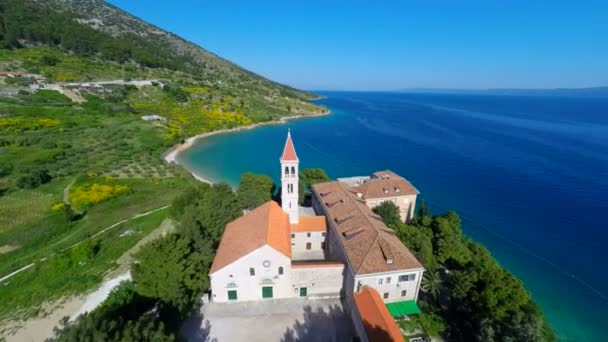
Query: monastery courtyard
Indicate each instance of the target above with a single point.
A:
(285, 320)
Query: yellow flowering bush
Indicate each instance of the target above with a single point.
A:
(96, 193)
(196, 116)
(57, 206)
(26, 124)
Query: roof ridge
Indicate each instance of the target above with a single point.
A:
(367, 253)
(369, 222)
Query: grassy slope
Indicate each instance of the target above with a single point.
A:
(105, 137)
(85, 144)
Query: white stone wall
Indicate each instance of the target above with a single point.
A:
(321, 281)
(406, 204)
(392, 287)
(299, 243)
(289, 189)
(236, 276)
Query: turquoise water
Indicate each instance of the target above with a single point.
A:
(528, 175)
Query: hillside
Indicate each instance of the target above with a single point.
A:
(78, 162)
(93, 40)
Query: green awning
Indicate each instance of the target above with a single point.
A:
(407, 307)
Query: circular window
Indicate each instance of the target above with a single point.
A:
(266, 263)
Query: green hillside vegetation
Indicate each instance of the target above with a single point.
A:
(75, 163)
(466, 294)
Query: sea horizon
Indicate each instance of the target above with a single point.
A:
(573, 300)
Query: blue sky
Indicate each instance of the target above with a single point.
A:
(389, 45)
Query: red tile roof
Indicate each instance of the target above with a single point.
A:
(268, 224)
(385, 184)
(377, 320)
(309, 224)
(289, 152)
(370, 246)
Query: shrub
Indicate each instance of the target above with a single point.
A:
(34, 179)
(96, 193)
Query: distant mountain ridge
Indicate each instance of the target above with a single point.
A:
(105, 17)
(92, 40)
(588, 92)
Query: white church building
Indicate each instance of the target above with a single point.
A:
(276, 252)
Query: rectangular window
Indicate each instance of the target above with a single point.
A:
(388, 280)
(307, 234)
(385, 295)
(252, 271)
(308, 245)
(412, 277)
(379, 281)
(293, 236)
(323, 234)
(403, 293)
(402, 278)
(232, 295)
(303, 292)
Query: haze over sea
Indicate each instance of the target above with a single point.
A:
(527, 174)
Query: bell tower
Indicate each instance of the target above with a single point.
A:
(289, 180)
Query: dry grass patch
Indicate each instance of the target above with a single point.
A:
(23, 206)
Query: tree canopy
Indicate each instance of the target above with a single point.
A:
(308, 177)
(203, 213)
(483, 301)
(254, 190)
(171, 270)
(389, 213)
(123, 316)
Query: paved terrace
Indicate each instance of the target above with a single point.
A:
(285, 320)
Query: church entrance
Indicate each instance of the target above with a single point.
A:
(267, 292)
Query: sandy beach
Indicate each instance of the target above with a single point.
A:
(170, 155)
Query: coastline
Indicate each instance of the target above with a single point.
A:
(170, 156)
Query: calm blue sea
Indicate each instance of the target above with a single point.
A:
(528, 175)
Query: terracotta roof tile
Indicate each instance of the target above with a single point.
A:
(386, 184)
(309, 224)
(268, 224)
(289, 152)
(377, 320)
(368, 242)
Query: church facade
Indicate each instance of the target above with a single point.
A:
(277, 251)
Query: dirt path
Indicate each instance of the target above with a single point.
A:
(74, 96)
(66, 191)
(40, 328)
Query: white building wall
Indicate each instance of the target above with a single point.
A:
(289, 189)
(322, 281)
(388, 283)
(299, 243)
(236, 276)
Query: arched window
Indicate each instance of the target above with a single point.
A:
(251, 271)
(286, 171)
(281, 270)
(293, 171)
